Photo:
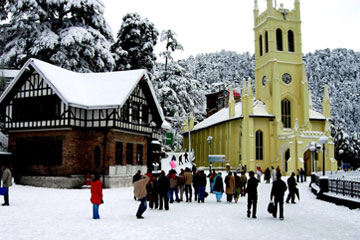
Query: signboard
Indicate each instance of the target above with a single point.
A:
(216, 158)
(169, 138)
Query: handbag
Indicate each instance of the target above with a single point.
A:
(3, 191)
(270, 207)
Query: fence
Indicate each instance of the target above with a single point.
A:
(345, 187)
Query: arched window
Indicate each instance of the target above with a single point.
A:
(261, 45)
(279, 40)
(266, 42)
(291, 43)
(97, 156)
(259, 145)
(286, 113)
(287, 157)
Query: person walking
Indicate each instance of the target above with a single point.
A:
(292, 188)
(7, 182)
(211, 180)
(243, 184)
(140, 193)
(163, 190)
(96, 195)
(180, 160)
(201, 186)
(237, 190)
(188, 181)
(230, 185)
(267, 175)
(277, 192)
(181, 184)
(273, 174)
(196, 183)
(251, 190)
(218, 187)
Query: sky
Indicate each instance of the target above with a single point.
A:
(204, 26)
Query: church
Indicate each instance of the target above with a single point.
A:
(276, 126)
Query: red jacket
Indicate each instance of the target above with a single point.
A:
(96, 192)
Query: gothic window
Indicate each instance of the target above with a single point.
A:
(259, 145)
(97, 156)
(279, 40)
(129, 154)
(287, 157)
(118, 153)
(261, 45)
(291, 41)
(266, 42)
(286, 113)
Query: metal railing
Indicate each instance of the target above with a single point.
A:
(345, 187)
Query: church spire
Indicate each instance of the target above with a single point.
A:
(256, 5)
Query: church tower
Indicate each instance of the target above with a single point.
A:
(279, 69)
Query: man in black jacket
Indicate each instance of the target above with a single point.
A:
(292, 188)
(163, 186)
(251, 190)
(278, 191)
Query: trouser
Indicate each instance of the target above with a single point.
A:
(171, 193)
(195, 192)
(153, 200)
(142, 207)
(280, 202)
(181, 192)
(6, 197)
(252, 201)
(229, 197)
(201, 193)
(242, 192)
(96, 211)
(188, 192)
(291, 196)
(218, 195)
(164, 200)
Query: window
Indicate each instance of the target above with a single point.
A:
(279, 41)
(287, 157)
(139, 154)
(135, 112)
(125, 112)
(261, 45)
(46, 151)
(129, 154)
(145, 114)
(291, 41)
(259, 145)
(286, 113)
(118, 153)
(36, 108)
(97, 156)
(266, 42)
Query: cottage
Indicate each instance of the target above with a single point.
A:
(62, 124)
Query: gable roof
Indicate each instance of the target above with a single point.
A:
(88, 90)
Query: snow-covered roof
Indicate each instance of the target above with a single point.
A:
(315, 115)
(259, 110)
(88, 90)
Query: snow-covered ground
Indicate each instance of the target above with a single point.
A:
(41, 213)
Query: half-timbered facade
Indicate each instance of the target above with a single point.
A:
(63, 123)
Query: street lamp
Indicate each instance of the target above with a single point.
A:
(313, 150)
(323, 140)
(209, 139)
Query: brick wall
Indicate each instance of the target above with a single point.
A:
(78, 150)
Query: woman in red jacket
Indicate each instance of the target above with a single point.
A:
(96, 195)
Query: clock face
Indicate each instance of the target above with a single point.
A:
(264, 81)
(286, 78)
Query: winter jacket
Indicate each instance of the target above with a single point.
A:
(188, 178)
(218, 184)
(6, 178)
(181, 181)
(291, 183)
(237, 181)
(278, 189)
(163, 184)
(96, 192)
(140, 187)
(202, 180)
(252, 185)
(230, 180)
(173, 181)
(243, 180)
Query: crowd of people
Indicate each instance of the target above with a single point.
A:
(190, 184)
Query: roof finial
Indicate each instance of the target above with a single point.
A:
(256, 6)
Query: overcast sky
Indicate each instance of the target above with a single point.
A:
(204, 26)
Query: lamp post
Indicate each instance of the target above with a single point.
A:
(323, 140)
(313, 150)
(209, 139)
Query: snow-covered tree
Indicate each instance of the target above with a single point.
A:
(172, 44)
(134, 46)
(70, 34)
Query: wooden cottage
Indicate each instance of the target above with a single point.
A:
(62, 123)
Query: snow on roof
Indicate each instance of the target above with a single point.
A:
(89, 90)
(221, 116)
(315, 115)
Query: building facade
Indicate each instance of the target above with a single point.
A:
(277, 126)
(61, 123)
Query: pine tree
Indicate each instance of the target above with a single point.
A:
(134, 46)
(70, 34)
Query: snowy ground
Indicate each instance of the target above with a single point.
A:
(40, 213)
